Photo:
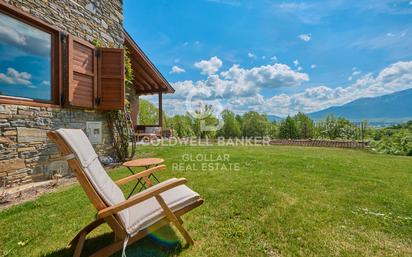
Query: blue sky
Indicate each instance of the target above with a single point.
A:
(25, 66)
(276, 57)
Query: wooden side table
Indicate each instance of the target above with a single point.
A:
(146, 163)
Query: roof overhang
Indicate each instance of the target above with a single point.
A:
(147, 78)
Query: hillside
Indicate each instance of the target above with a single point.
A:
(394, 107)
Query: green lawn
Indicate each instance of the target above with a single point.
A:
(282, 201)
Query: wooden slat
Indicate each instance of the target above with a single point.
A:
(111, 88)
(148, 80)
(82, 65)
(141, 75)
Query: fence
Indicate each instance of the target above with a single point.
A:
(320, 143)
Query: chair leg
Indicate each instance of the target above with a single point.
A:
(80, 244)
(118, 245)
(87, 229)
(183, 231)
(80, 238)
(174, 219)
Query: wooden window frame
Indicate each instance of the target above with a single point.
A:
(55, 58)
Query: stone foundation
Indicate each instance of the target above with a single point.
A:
(26, 154)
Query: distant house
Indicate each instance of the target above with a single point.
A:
(52, 76)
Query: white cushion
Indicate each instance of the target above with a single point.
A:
(139, 216)
(153, 130)
(148, 212)
(102, 183)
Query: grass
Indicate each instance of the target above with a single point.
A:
(282, 201)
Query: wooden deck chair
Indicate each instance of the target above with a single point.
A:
(131, 219)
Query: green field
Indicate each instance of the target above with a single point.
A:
(259, 201)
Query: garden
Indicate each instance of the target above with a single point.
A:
(282, 200)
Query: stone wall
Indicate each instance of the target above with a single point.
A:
(85, 19)
(26, 155)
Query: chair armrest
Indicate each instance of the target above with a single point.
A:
(140, 197)
(142, 174)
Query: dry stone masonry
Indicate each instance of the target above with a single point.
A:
(88, 20)
(26, 155)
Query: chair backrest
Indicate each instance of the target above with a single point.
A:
(99, 187)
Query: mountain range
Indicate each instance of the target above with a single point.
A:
(391, 108)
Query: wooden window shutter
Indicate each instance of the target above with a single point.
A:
(111, 89)
(82, 73)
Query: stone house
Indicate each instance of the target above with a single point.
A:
(52, 76)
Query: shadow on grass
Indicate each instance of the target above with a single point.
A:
(161, 243)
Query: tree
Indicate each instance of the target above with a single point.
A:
(231, 126)
(329, 128)
(288, 129)
(255, 125)
(204, 122)
(338, 128)
(304, 125)
(148, 113)
(273, 129)
(181, 125)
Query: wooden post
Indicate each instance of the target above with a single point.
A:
(134, 106)
(160, 110)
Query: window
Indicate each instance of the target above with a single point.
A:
(41, 66)
(26, 63)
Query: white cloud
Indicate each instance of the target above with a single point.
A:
(313, 66)
(235, 85)
(226, 2)
(410, 3)
(393, 78)
(296, 63)
(14, 77)
(292, 6)
(314, 12)
(209, 67)
(240, 89)
(12, 36)
(45, 83)
(305, 37)
(176, 70)
(274, 58)
(26, 38)
(355, 73)
(251, 55)
(395, 40)
(270, 76)
(240, 82)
